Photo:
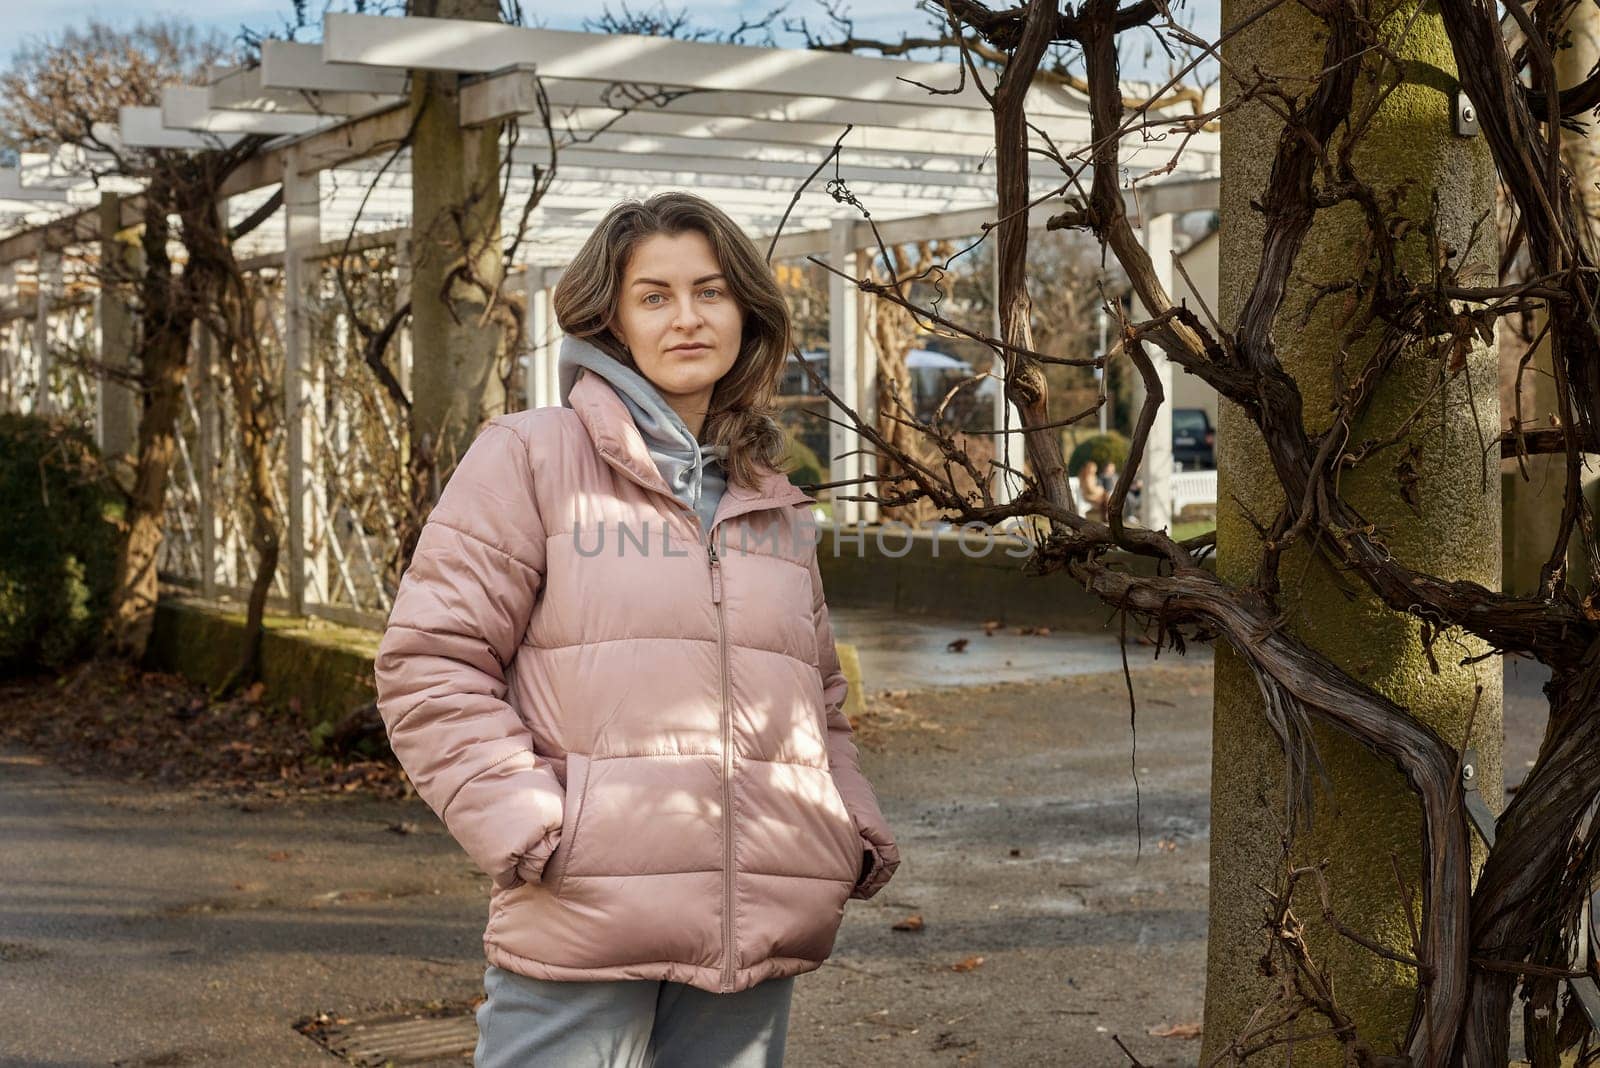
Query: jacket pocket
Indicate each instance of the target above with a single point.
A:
(857, 843)
(577, 788)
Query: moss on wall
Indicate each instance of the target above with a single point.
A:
(323, 668)
(1411, 153)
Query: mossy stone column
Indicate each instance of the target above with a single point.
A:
(455, 197)
(1410, 151)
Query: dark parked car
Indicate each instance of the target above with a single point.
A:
(1194, 441)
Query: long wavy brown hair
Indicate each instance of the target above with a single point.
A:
(742, 415)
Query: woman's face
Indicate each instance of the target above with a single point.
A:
(678, 319)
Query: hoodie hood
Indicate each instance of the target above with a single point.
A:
(694, 472)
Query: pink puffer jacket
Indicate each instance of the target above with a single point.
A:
(644, 747)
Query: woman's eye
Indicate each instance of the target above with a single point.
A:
(653, 298)
(712, 292)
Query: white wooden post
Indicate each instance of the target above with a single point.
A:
(526, 282)
(1010, 448)
(537, 322)
(550, 337)
(402, 337)
(302, 232)
(49, 285)
(205, 401)
(1155, 471)
(844, 375)
(866, 392)
(10, 357)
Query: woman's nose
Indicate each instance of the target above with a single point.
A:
(688, 316)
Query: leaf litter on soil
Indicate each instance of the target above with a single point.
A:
(115, 720)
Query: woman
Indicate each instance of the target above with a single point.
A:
(610, 671)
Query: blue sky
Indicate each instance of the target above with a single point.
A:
(876, 18)
(22, 20)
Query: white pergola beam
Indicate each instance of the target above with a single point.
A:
(139, 127)
(504, 94)
(756, 168)
(470, 46)
(12, 189)
(188, 107)
(653, 123)
(290, 65)
(920, 167)
(241, 90)
(615, 95)
(1166, 198)
(64, 167)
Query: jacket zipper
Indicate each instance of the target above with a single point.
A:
(727, 722)
(727, 770)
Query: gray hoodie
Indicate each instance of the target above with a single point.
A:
(693, 471)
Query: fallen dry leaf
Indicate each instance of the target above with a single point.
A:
(279, 855)
(990, 626)
(910, 923)
(959, 645)
(967, 965)
(1183, 1030)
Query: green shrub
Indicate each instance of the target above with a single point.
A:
(802, 464)
(1110, 446)
(58, 543)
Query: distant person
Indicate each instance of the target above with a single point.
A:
(1108, 477)
(646, 751)
(1091, 493)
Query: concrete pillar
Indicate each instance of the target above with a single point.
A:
(455, 219)
(302, 232)
(845, 342)
(117, 422)
(1409, 151)
(1155, 471)
(49, 287)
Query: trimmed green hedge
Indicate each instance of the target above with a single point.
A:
(1101, 448)
(58, 543)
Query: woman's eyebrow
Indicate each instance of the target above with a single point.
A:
(667, 285)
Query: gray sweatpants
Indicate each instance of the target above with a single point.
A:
(628, 1023)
